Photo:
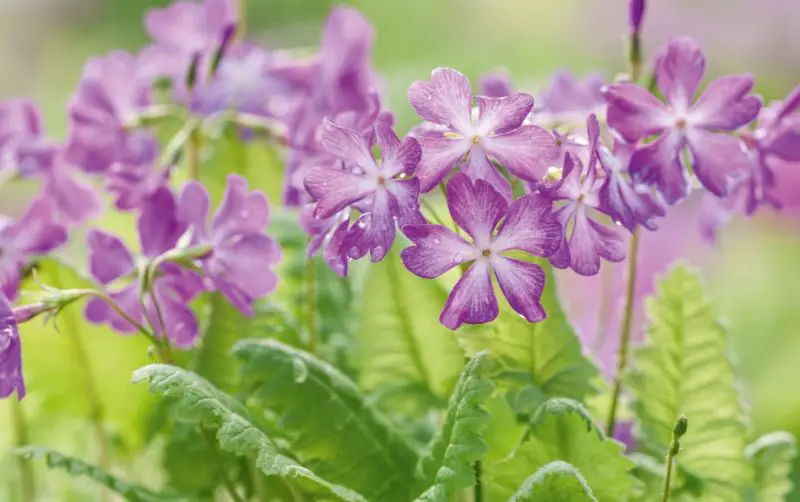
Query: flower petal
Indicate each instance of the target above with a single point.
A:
(635, 113)
(333, 252)
(348, 145)
(77, 201)
(475, 208)
(502, 113)
(529, 226)
(479, 167)
(406, 201)
(444, 99)
(495, 85)
(659, 164)
(158, 224)
(526, 152)
(522, 284)
(785, 144)
(127, 299)
(472, 300)
(11, 378)
(439, 156)
(374, 231)
(679, 69)
(241, 209)
(336, 189)
(436, 250)
(109, 258)
(179, 320)
(719, 160)
(37, 231)
(396, 157)
(725, 105)
(194, 204)
(591, 241)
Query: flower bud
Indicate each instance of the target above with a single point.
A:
(227, 38)
(191, 73)
(681, 427)
(636, 14)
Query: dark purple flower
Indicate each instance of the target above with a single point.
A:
(36, 233)
(109, 98)
(11, 379)
(386, 188)
(497, 133)
(327, 234)
(636, 14)
(496, 85)
(110, 262)
(725, 105)
(585, 241)
(185, 31)
(569, 100)
(528, 225)
(239, 263)
(623, 432)
(135, 178)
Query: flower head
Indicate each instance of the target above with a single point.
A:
(496, 134)
(36, 233)
(725, 105)
(11, 379)
(241, 254)
(386, 190)
(528, 225)
(496, 85)
(568, 100)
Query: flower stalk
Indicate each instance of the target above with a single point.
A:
(681, 426)
(20, 427)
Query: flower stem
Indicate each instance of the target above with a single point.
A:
(444, 193)
(242, 28)
(193, 154)
(229, 486)
(680, 428)
(667, 478)
(96, 411)
(625, 331)
(311, 306)
(20, 426)
(478, 491)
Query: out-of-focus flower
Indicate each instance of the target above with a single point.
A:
(636, 14)
(133, 180)
(568, 100)
(528, 225)
(241, 256)
(585, 240)
(327, 234)
(111, 263)
(725, 105)
(36, 233)
(185, 32)
(496, 85)
(387, 188)
(11, 379)
(497, 133)
(623, 432)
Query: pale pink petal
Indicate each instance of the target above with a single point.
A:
(635, 113)
(472, 300)
(396, 157)
(444, 99)
(529, 226)
(526, 152)
(679, 69)
(437, 249)
(522, 284)
(725, 104)
(439, 156)
(347, 145)
(502, 113)
(719, 160)
(475, 208)
(335, 189)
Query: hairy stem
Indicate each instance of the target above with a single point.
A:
(311, 306)
(625, 332)
(478, 491)
(20, 427)
(229, 486)
(668, 477)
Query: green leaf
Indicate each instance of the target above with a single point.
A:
(447, 467)
(197, 401)
(402, 343)
(556, 481)
(683, 370)
(325, 418)
(562, 430)
(771, 456)
(540, 360)
(75, 467)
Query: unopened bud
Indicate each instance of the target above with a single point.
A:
(636, 14)
(191, 73)
(227, 37)
(674, 448)
(681, 426)
(49, 304)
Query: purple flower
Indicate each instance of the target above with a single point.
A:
(725, 105)
(134, 179)
(11, 379)
(497, 133)
(241, 254)
(110, 262)
(327, 234)
(569, 100)
(496, 85)
(623, 432)
(528, 225)
(185, 31)
(36, 233)
(585, 240)
(636, 14)
(386, 188)
(109, 97)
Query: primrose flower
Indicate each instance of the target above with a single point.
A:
(328, 234)
(528, 225)
(496, 85)
(568, 100)
(11, 379)
(240, 255)
(725, 105)
(387, 189)
(585, 241)
(113, 265)
(36, 233)
(496, 134)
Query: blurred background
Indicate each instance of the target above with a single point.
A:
(754, 271)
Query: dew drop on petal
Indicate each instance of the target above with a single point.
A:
(299, 371)
(457, 257)
(353, 253)
(617, 223)
(437, 241)
(362, 223)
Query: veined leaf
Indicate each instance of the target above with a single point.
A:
(447, 466)
(75, 467)
(200, 402)
(402, 344)
(772, 456)
(556, 481)
(562, 430)
(540, 360)
(329, 425)
(683, 370)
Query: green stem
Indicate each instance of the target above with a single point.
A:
(311, 306)
(427, 205)
(242, 28)
(193, 154)
(229, 486)
(478, 492)
(625, 332)
(668, 477)
(258, 480)
(166, 348)
(96, 412)
(20, 426)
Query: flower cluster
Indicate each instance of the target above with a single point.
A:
(559, 179)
